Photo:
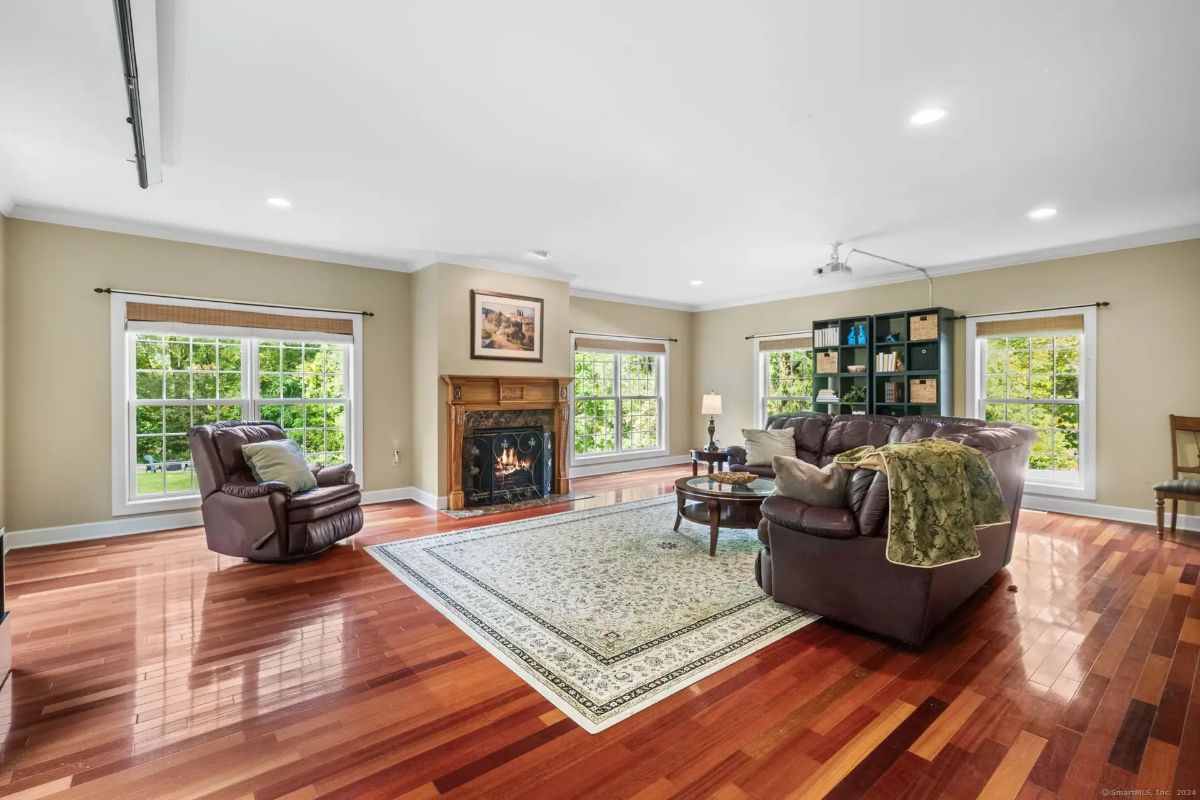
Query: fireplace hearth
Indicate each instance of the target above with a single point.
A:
(506, 465)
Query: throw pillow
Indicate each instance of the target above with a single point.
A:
(762, 446)
(808, 483)
(279, 460)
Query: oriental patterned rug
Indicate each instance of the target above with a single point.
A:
(604, 611)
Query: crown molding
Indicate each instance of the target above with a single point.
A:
(173, 233)
(498, 265)
(1126, 242)
(588, 294)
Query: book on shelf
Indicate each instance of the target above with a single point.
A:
(893, 392)
(826, 337)
(888, 362)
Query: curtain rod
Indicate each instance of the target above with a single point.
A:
(624, 336)
(770, 335)
(108, 290)
(1097, 304)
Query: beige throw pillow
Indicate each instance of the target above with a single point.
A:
(811, 484)
(762, 446)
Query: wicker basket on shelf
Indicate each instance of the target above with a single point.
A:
(922, 390)
(923, 326)
(827, 362)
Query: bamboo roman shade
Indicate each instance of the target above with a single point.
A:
(1031, 326)
(596, 345)
(207, 315)
(788, 343)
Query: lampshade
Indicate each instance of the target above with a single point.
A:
(711, 404)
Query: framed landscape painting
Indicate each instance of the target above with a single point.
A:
(506, 326)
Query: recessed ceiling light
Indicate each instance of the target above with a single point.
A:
(1045, 212)
(696, 283)
(279, 202)
(927, 115)
(542, 254)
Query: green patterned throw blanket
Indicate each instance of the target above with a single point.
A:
(939, 492)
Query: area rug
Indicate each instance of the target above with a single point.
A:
(549, 500)
(604, 611)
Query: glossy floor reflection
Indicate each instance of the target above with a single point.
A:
(149, 667)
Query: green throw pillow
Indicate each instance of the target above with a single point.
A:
(279, 460)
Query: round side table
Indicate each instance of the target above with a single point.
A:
(712, 457)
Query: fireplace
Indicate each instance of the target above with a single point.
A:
(507, 465)
(483, 410)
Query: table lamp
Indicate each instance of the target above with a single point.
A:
(711, 405)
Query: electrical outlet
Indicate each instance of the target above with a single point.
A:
(395, 458)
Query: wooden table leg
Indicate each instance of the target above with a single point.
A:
(695, 467)
(678, 510)
(714, 517)
(710, 467)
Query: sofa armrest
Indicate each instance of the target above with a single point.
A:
(251, 490)
(334, 476)
(737, 454)
(794, 515)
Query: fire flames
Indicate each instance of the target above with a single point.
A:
(508, 462)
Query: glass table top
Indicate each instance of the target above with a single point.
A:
(759, 487)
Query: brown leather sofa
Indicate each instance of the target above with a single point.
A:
(832, 562)
(266, 521)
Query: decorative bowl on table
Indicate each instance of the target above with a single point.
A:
(735, 478)
(857, 368)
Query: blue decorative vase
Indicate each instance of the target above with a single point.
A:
(850, 338)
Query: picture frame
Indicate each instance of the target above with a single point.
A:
(506, 327)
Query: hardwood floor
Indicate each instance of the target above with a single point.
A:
(148, 667)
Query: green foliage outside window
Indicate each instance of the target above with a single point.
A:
(1034, 380)
(789, 376)
(609, 386)
(302, 384)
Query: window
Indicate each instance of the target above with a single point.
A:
(1038, 370)
(619, 404)
(179, 381)
(785, 375)
(172, 376)
(302, 386)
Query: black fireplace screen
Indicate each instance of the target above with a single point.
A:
(506, 465)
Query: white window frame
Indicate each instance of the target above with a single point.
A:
(1041, 482)
(124, 499)
(761, 376)
(664, 405)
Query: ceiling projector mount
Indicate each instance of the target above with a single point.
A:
(838, 264)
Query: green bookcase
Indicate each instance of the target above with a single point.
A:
(919, 380)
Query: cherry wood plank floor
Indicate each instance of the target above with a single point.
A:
(148, 667)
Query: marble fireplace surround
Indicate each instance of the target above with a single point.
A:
(471, 403)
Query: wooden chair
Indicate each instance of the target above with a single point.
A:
(1178, 488)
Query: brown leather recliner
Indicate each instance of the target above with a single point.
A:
(266, 521)
(832, 562)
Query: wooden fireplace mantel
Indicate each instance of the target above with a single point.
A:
(496, 393)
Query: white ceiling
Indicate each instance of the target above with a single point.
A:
(644, 144)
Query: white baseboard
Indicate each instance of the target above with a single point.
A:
(631, 465)
(151, 523)
(123, 526)
(405, 493)
(1083, 508)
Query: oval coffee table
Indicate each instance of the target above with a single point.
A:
(721, 505)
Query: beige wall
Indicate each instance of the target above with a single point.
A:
(57, 410)
(1148, 346)
(603, 316)
(442, 300)
(55, 463)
